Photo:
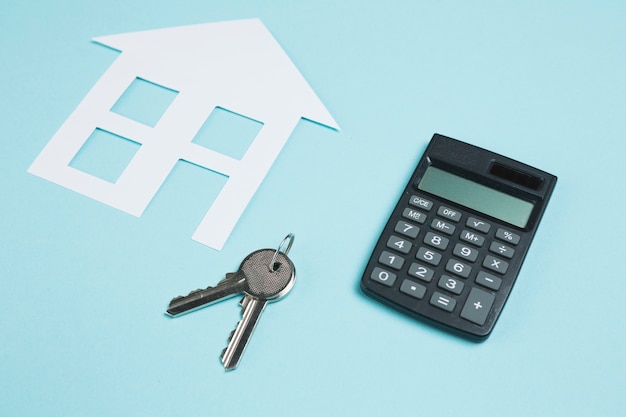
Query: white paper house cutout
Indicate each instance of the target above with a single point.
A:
(235, 65)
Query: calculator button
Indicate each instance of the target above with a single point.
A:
(382, 276)
(507, 236)
(472, 238)
(495, 264)
(443, 301)
(399, 244)
(458, 268)
(421, 272)
(489, 281)
(428, 256)
(445, 227)
(391, 260)
(451, 284)
(465, 252)
(413, 289)
(478, 224)
(477, 306)
(502, 250)
(420, 202)
(416, 216)
(407, 229)
(449, 213)
(436, 241)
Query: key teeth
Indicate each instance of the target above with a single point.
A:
(232, 334)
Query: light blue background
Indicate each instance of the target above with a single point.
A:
(83, 286)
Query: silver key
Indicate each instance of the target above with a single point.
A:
(265, 275)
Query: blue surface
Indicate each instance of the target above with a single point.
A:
(84, 286)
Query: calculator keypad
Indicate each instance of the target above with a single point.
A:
(441, 256)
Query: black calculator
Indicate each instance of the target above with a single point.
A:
(455, 242)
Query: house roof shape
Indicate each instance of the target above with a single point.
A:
(248, 72)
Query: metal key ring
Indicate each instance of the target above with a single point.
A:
(291, 238)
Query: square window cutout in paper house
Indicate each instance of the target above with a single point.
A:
(144, 102)
(105, 155)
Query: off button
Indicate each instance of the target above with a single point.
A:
(449, 213)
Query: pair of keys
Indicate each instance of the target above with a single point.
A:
(264, 276)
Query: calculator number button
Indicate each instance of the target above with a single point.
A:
(507, 236)
(421, 272)
(444, 227)
(488, 281)
(494, 264)
(477, 306)
(413, 289)
(420, 202)
(401, 245)
(449, 214)
(473, 238)
(436, 241)
(502, 250)
(407, 229)
(465, 252)
(391, 260)
(416, 216)
(458, 268)
(382, 276)
(451, 284)
(428, 256)
(478, 224)
(443, 301)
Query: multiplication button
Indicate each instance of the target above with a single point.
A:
(477, 306)
(495, 264)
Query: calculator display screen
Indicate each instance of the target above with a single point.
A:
(476, 196)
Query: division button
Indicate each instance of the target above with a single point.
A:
(477, 306)
(502, 250)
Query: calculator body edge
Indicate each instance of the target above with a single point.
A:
(452, 287)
